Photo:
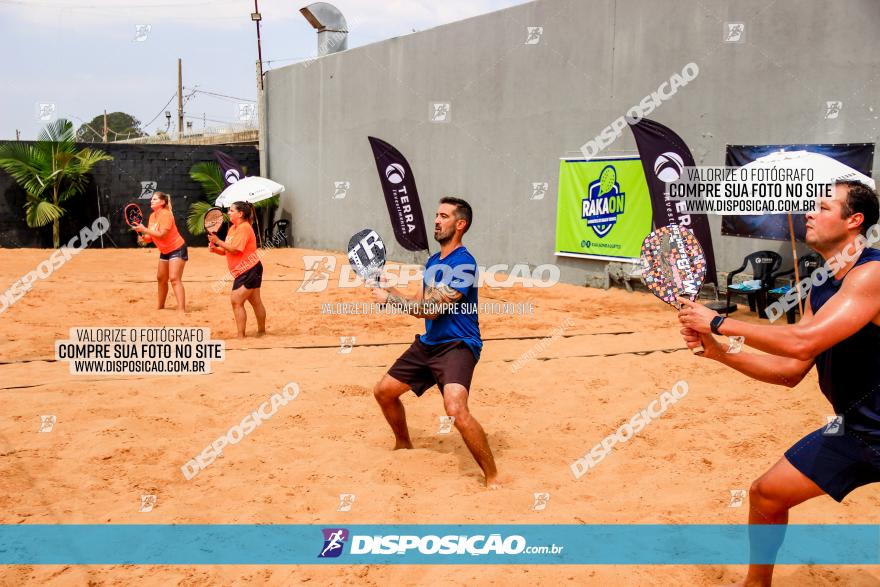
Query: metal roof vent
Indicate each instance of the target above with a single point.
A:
(331, 26)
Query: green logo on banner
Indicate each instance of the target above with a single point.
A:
(604, 202)
(603, 208)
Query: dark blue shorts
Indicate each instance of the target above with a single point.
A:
(837, 464)
(181, 253)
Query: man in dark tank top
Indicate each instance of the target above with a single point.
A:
(840, 334)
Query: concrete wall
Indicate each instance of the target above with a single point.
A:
(113, 185)
(517, 108)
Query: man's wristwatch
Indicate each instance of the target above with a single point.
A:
(716, 323)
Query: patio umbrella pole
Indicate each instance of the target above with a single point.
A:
(797, 277)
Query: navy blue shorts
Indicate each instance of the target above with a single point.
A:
(836, 463)
(181, 253)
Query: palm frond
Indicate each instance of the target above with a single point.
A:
(41, 212)
(195, 221)
(57, 131)
(273, 201)
(21, 162)
(208, 175)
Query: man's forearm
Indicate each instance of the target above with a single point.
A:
(785, 341)
(767, 368)
(413, 307)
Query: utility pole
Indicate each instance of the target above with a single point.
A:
(105, 126)
(17, 135)
(257, 17)
(179, 98)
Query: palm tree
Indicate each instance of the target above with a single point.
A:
(51, 171)
(209, 175)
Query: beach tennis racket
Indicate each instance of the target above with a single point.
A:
(213, 220)
(673, 265)
(133, 215)
(366, 254)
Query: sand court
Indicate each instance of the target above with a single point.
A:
(549, 386)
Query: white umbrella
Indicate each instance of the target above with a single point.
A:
(250, 189)
(825, 170)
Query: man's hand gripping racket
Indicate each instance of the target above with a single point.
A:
(673, 265)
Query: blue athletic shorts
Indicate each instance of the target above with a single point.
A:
(836, 463)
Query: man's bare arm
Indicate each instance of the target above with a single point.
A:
(428, 304)
(767, 368)
(849, 310)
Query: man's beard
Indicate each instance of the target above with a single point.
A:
(442, 237)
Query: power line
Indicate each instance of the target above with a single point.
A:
(160, 111)
(222, 95)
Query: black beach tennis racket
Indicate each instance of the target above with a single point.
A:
(674, 265)
(366, 253)
(133, 215)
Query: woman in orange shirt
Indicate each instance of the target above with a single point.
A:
(240, 249)
(162, 231)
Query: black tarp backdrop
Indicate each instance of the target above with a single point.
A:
(859, 156)
(114, 184)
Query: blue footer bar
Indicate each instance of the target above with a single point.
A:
(151, 544)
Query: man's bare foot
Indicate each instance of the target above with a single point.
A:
(260, 333)
(493, 482)
(402, 445)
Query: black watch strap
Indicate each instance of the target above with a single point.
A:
(716, 323)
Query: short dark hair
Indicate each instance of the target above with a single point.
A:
(860, 199)
(462, 209)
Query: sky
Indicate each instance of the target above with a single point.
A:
(85, 56)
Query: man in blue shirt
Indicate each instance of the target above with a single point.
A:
(450, 348)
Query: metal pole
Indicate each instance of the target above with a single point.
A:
(259, 45)
(179, 98)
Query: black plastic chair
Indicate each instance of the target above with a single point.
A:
(764, 264)
(278, 232)
(806, 265)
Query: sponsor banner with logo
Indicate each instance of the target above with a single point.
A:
(859, 156)
(401, 196)
(603, 209)
(579, 544)
(664, 155)
(230, 168)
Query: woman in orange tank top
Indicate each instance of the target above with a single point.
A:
(240, 250)
(161, 230)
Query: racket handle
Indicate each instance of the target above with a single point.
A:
(698, 350)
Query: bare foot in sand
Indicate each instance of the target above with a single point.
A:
(493, 482)
(402, 445)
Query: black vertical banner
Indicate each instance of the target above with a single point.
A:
(230, 168)
(663, 155)
(401, 196)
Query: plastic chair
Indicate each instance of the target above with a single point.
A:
(806, 265)
(764, 264)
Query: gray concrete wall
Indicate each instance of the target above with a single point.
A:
(517, 108)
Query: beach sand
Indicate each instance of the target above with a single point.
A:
(120, 437)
